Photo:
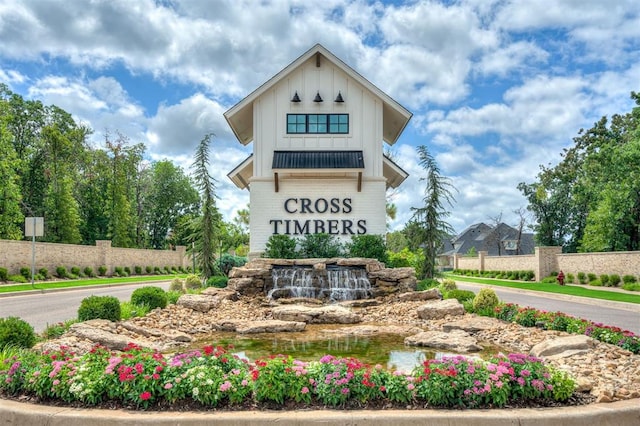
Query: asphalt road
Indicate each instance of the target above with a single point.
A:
(623, 315)
(41, 309)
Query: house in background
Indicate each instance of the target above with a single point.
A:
(500, 240)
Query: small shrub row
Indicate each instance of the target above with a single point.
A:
(325, 245)
(526, 275)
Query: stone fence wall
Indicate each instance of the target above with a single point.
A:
(546, 260)
(17, 254)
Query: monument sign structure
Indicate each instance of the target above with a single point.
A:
(318, 164)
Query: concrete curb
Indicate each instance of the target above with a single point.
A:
(622, 413)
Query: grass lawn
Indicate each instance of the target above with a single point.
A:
(45, 285)
(572, 290)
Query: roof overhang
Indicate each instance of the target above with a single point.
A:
(395, 116)
(242, 173)
(393, 173)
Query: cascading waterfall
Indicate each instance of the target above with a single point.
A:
(334, 284)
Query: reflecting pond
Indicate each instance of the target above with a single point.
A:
(387, 350)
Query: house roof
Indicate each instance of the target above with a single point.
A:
(481, 236)
(395, 116)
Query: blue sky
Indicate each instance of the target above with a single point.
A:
(497, 87)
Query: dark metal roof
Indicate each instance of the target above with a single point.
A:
(318, 160)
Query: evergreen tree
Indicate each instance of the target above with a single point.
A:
(428, 226)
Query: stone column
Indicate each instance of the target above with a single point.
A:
(104, 255)
(546, 261)
(481, 256)
(181, 252)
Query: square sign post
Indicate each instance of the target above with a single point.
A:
(33, 227)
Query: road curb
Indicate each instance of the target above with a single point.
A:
(622, 413)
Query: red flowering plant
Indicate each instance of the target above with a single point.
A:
(53, 376)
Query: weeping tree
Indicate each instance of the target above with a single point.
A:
(428, 227)
(205, 228)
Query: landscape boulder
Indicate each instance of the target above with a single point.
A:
(330, 314)
(439, 309)
(456, 341)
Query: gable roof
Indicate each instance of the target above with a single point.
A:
(484, 237)
(395, 116)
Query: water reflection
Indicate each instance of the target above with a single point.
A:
(388, 351)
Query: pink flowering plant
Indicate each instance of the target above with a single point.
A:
(279, 378)
(213, 377)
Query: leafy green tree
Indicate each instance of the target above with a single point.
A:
(124, 163)
(207, 226)
(171, 196)
(428, 226)
(11, 216)
(92, 196)
(396, 241)
(591, 199)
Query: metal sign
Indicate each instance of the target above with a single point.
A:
(33, 226)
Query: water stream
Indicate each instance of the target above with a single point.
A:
(333, 284)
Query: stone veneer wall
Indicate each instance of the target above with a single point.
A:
(546, 260)
(17, 254)
(254, 278)
(621, 263)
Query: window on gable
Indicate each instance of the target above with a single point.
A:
(318, 123)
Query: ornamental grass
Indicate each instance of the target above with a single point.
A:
(214, 377)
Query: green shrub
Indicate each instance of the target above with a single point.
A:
(138, 270)
(127, 270)
(102, 270)
(448, 285)
(629, 279)
(148, 269)
(156, 270)
(75, 270)
(129, 310)
(3, 274)
(218, 282)
(61, 272)
(596, 283)
(88, 271)
(614, 280)
(460, 295)
(571, 278)
(320, 245)
(118, 271)
(582, 278)
(631, 286)
(166, 270)
(427, 284)
(281, 247)
(591, 277)
(16, 332)
(368, 246)
(152, 296)
(192, 282)
(54, 331)
(604, 279)
(226, 262)
(17, 278)
(99, 307)
(25, 272)
(551, 279)
(485, 301)
(173, 296)
(177, 285)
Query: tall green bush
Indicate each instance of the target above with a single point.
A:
(152, 296)
(226, 262)
(4, 274)
(320, 245)
(281, 247)
(99, 307)
(16, 332)
(485, 301)
(368, 246)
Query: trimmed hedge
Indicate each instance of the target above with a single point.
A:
(99, 307)
(153, 297)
